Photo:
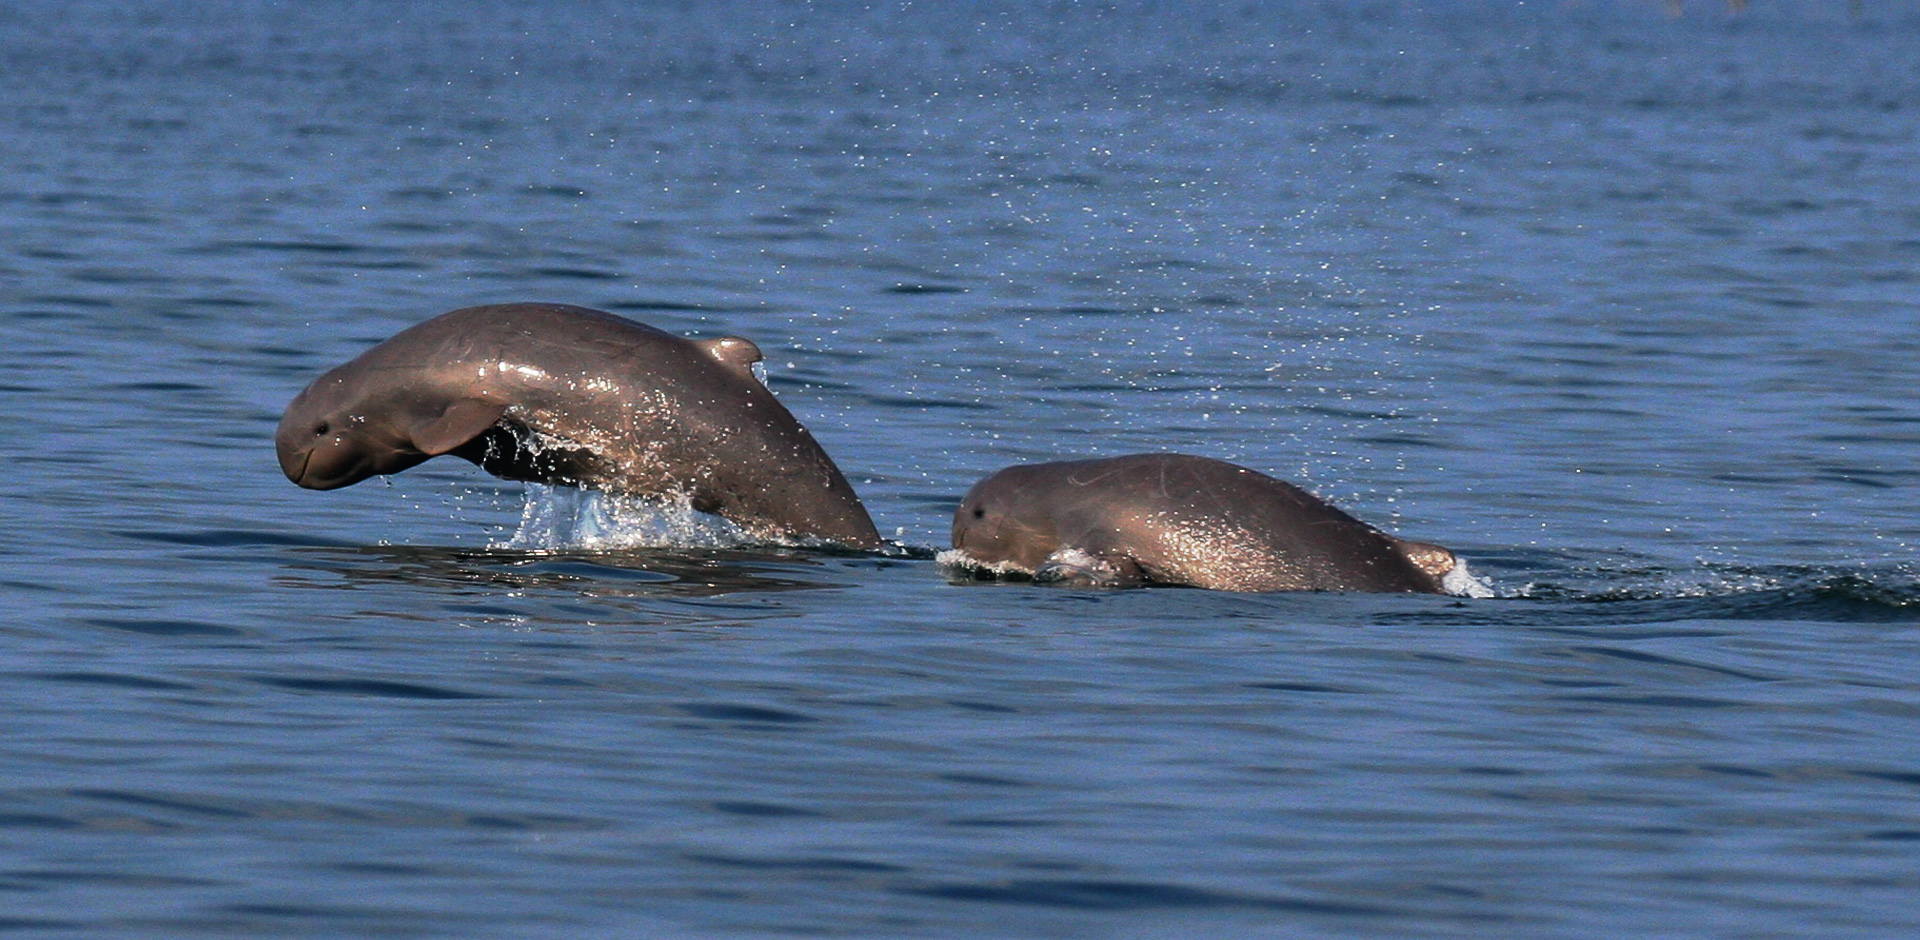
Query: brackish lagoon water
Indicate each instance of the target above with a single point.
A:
(1623, 307)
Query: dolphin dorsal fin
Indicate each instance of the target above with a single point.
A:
(733, 352)
(1431, 559)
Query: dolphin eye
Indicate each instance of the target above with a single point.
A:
(321, 430)
(979, 512)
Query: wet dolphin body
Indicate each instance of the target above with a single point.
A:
(1179, 519)
(573, 396)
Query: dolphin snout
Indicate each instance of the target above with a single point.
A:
(293, 462)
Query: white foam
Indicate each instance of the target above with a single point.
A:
(1073, 566)
(1463, 583)
(954, 561)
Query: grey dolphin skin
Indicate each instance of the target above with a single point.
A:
(568, 395)
(1179, 519)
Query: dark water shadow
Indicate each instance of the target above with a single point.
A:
(124, 809)
(668, 572)
(1580, 589)
(1092, 894)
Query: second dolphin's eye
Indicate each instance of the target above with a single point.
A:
(321, 431)
(979, 512)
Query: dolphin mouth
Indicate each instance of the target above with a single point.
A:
(323, 474)
(294, 465)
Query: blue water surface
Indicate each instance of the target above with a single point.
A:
(1622, 305)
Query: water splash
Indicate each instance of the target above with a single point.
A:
(1461, 582)
(1069, 566)
(564, 518)
(957, 565)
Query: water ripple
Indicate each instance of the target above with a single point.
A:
(1128, 896)
(384, 688)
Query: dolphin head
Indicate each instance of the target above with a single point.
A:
(368, 418)
(333, 436)
(1000, 524)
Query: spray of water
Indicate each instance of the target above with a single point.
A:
(563, 518)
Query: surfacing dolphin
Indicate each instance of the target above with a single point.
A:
(571, 396)
(1180, 519)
